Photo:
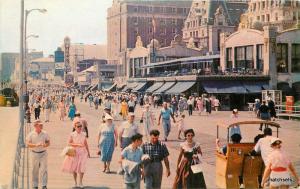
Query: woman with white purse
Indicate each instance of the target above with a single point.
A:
(189, 173)
(77, 154)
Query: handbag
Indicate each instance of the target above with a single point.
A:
(69, 151)
(197, 168)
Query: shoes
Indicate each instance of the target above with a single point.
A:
(81, 186)
(35, 187)
(44, 187)
(107, 171)
(166, 139)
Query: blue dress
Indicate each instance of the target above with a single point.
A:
(107, 142)
(72, 110)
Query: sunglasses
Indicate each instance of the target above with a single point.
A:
(79, 126)
(189, 135)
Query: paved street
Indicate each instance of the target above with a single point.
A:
(204, 126)
(8, 142)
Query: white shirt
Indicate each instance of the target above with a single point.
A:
(128, 130)
(35, 138)
(264, 146)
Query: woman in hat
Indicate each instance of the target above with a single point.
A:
(277, 168)
(77, 164)
(107, 139)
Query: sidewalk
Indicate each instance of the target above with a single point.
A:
(9, 129)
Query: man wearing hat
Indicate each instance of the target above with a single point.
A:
(127, 130)
(38, 141)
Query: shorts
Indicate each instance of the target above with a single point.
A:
(280, 178)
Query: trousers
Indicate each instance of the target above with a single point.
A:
(47, 114)
(167, 127)
(153, 175)
(39, 168)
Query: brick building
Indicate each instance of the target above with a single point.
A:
(128, 19)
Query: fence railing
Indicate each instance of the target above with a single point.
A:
(287, 111)
(20, 167)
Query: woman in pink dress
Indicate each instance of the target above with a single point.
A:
(77, 164)
(200, 105)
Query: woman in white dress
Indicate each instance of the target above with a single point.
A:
(148, 120)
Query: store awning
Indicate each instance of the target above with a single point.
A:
(124, 89)
(180, 87)
(154, 87)
(89, 88)
(112, 88)
(256, 86)
(224, 87)
(132, 85)
(139, 87)
(165, 87)
(95, 87)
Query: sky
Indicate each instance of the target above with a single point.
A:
(84, 21)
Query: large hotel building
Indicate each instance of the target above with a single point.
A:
(127, 19)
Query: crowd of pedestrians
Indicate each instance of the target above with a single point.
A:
(143, 150)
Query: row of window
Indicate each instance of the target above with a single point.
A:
(266, 18)
(273, 3)
(152, 9)
(244, 57)
(158, 21)
(161, 31)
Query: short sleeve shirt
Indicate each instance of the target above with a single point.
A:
(277, 158)
(156, 151)
(35, 138)
(133, 155)
(166, 113)
(264, 146)
(128, 129)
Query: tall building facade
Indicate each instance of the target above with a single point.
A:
(279, 13)
(7, 65)
(159, 19)
(208, 19)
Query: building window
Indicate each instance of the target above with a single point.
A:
(229, 58)
(282, 58)
(191, 34)
(276, 16)
(249, 57)
(150, 9)
(149, 30)
(135, 9)
(244, 57)
(197, 34)
(173, 10)
(260, 58)
(296, 58)
(174, 30)
(268, 18)
(173, 21)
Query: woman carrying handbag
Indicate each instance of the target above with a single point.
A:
(188, 174)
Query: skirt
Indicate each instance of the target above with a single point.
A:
(280, 178)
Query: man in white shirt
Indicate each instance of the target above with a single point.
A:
(127, 130)
(264, 145)
(38, 141)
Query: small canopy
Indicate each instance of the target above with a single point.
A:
(224, 87)
(89, 88)
(139, 87)
(230, 123)
(165, 87)
(132, 85)
(180, 87)
(154, 87)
